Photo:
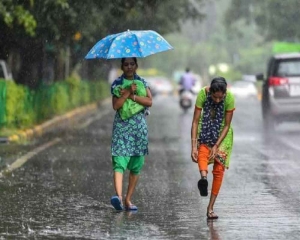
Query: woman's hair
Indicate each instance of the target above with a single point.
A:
(134, 59)
(218, 84)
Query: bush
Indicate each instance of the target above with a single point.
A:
(85, 95)
(24, 107)
(74, 91)
(60, 99)
(19, 110)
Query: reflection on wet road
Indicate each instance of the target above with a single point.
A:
(63, 192)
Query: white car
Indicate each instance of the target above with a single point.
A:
(160, 85)
(243, 89)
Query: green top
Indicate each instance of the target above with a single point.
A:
(229, 100)
(225, 147)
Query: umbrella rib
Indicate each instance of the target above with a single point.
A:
(116, 35)
(140, 53)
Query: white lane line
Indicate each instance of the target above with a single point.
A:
(20, 161)
(92, 119)
(288, 142)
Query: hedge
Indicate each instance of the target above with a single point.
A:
(21, 107)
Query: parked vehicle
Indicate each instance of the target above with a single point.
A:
(281, 90)
(5, 72)
(186, 100)
(160, 85)
(243, 89)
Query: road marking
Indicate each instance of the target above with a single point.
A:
(94, 118)
(287, 141)
(20, 161)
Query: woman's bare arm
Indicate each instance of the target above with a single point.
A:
(118, 102)
(194, 130)
(128, 93)
(145, 101)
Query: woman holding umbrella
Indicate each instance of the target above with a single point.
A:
(130, 133)
(131, 98)
(212, 136)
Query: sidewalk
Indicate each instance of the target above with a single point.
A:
(66, 119)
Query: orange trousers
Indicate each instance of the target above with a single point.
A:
(218, 168)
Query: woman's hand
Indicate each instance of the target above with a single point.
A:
(125, 93)
(133, 88)
(213, 152)
(194, 154)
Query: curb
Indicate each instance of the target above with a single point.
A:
(49, 125)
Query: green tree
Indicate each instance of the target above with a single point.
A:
(58, 21)
(21, 39)
(275, 19)
(202, 44)
(13, 14)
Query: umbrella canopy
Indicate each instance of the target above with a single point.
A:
(129, 44)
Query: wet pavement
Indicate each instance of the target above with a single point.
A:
(63, 189)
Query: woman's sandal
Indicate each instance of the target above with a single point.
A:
(131, 207)
(211, 215)
(117, 203)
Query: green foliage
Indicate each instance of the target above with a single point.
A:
(53, 24)
(17, 14)
(198, 56)
(41, 103)
(85, 94)
(240, 45)
(276, 19)
(25, 107)
(251, 57)
(99, 90)
(60, 98)
(2, 102)
(19, 112)
(102, 90)
(74, 91)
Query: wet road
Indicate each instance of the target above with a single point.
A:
(63, 189)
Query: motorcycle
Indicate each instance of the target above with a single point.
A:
(186, 100)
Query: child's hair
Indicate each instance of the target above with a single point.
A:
(218, 84)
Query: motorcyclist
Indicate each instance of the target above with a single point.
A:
(187, 81)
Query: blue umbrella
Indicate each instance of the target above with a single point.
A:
(129, 44)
